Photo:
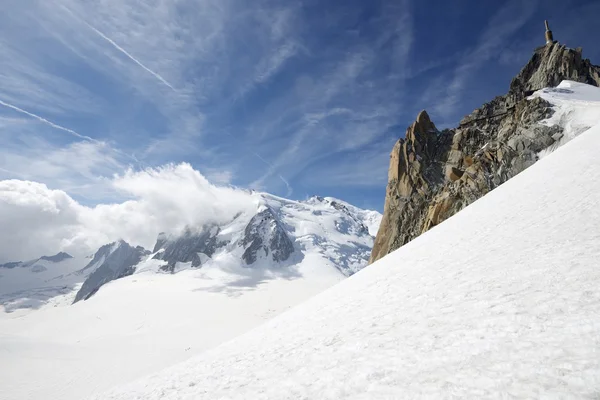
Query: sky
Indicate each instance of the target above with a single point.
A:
(296, 98)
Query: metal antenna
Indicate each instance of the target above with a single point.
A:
(549, 38)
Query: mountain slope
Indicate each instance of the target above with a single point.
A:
(195, 291)
(111, 261)
(500, 300)
(434, 174)
(32, 284)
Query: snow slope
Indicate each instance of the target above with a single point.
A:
(37, 282)
(576, 109)
(142, 323)
(139, 325)
(499, 301)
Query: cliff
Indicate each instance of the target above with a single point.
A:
(434, 174)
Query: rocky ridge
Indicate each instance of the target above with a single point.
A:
(111, 261)
(434, 174)
(24, 264)
(276, 235)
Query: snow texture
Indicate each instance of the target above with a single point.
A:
(147, 321)
(499, 301)
(576, 109)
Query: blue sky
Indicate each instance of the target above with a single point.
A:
(296, 98)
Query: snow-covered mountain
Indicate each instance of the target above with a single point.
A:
(31, 284)
(137, 311)
(111, 261)
(37, 265)
(280, 233)
(500, 300)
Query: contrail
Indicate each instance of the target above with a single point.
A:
(287, 184)
(132, 58)
(262, 159)
(122, 50)
(289, 188)
(45, 121)
(62, 128)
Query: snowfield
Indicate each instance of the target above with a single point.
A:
(140, 324)
(577, 109)
(499, 301)
(38, 284)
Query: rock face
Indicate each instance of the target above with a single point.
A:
(434, 174)
(111, 261)
(187, 247)
(264, 237)
(550, 65)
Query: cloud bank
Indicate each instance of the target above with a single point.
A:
(40, 221)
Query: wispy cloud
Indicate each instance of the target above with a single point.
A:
(254, 94)
(45, 121)
(81, 168)
(122, 50)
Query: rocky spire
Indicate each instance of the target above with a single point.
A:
(434, 174)
(550, 65)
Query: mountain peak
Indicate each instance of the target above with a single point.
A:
(549, 66)
(112, 261)
(423, 119)
(433, 174)
(58, 257)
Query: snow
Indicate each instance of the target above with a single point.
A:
(499, 301)
(576, 109)
(36, 284)
(141, 324)
(148, 321)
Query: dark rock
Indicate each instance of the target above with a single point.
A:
(112, 261)
(13, 264)
(265, 234)
(57, 257)
(186, 247)
(161, 241)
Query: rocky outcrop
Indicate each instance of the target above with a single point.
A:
(265, 238)
(112, 261)
(434, 174)
(550, 65)
(190, 247)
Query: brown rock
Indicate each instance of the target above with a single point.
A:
(434, 174)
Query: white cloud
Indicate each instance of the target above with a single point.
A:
(38, 220)
(80, 168)
(35, 220)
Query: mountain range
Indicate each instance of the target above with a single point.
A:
(277, 236)
(484, 274)
(482, 284)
